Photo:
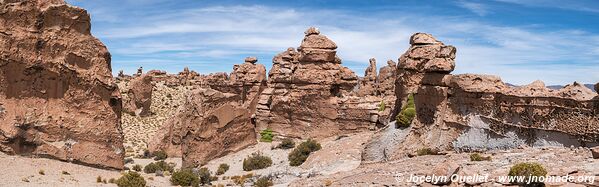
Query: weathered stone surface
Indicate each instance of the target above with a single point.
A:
(595, 152)
(368, 83)
(139, 96)
(308, 93)
(215, 125)
(386, 79)
(216, 118)
(472, 112)
(423, 39)
(427, 59)
(597, 87)
(57, 94)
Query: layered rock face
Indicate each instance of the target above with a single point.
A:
(214, 122)
(308, 93)
(139, 96)
(57, 95)
(478, 112)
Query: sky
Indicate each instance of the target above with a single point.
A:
(520, 40)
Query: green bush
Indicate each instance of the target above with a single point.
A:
(204, 175)
(300, 154)
(131, 179)
(381, 106)
(256, 161)
(478, 157)
(137, 167)
(266, 135)
(426, 151)
(287, 143)
(160, 155)
(158, 166)
(527, 170)
(263, 182)
(407, 114)
(222, 168)
(185, 177)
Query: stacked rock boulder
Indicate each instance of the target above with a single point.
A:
(470, 112)
(57, 95)
(308, 93)
(369, 83)
(386, 79)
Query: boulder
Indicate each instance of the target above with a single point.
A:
(139, 96)
(595, 152)
(57, 93)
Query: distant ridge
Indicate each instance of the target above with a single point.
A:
(556, 87)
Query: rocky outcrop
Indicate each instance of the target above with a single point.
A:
(308, 93)
(57, 95)
(368, 83)
(217, 124)
(386, 79)
(139, 96)
(427, 60)
(472, 112)
(216, 118)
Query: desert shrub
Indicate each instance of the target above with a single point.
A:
(240, 180)
(256, 161)
(41, 172)
(158, 166)
(185, 177)
(131, 179)
(527, 170)
(407, 113)
(146, 154)
(263, 182)
(266, 135)
(66, 173)
(99, 179)
(426, 151)
(137, 167)
(287, 143)
(111, 180)
(381, 106)
(160, 155)
(222, 168)
(204, 175)
(128, 160)
(478, 157)
(300, 154)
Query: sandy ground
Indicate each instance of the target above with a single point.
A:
(336, 155)
(25, 171)
(558, 161)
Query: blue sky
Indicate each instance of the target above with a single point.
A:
(519, 40)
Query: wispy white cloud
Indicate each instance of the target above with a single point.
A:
(477, 8)
(578, 5)
(216, 37)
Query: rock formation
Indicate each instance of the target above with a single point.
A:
(139, 96)
(217, 116)
(308, 93)
(57, 95)
(386, 79)
(368, 83)
(472, 112)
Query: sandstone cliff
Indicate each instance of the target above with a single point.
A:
(472, 112)
(57, 95)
